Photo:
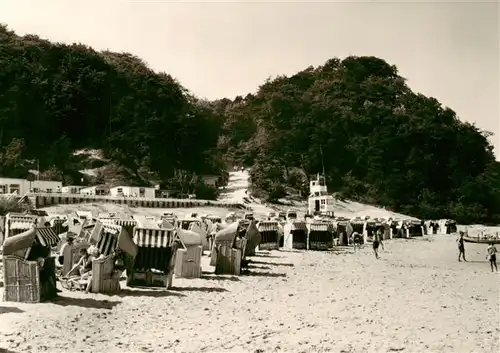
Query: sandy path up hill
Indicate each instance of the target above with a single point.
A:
(416, 298)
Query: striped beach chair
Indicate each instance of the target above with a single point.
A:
(320, 235)
(295, 235)
(154, 264)
(270, 235)
(17, 223)
(112, 241)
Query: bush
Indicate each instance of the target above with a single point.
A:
(206, 192)
(276, 192)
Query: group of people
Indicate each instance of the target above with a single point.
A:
(357, 240)
(80, 275)
(491, 252)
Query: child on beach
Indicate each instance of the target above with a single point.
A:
(492, 256)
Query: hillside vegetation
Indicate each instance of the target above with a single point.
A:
(381, 143)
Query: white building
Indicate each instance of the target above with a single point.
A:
(319, 200)
(23, 186)
(95, 190)
(71, 189)
(46, 186)
(133, 191)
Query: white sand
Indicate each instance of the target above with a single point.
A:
(416, 298)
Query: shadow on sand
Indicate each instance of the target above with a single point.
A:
(212, 276)
(477, 261)
(85, 302)
(252, 265)
(268, 263)
(267, 255)
(5, 350)
(262, 274)
(10, 309)
(148, 292)
(199, 289)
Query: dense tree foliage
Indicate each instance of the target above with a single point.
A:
(380, 142)
(57, 98)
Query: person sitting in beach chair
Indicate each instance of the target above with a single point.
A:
(83, 280)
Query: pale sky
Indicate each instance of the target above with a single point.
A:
(448, 50)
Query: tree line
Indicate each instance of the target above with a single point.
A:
(381, 143)
(377, 141)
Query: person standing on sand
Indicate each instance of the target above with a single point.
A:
(461, 247)
(492, 256)
(376, 244)
(379, 236)
(67, 244)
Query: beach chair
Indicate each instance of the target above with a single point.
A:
(188, 257)
(29, 281)
(155, 261)
(270, 235)
(341, 233)
(414, 229)
(295, 235)
(320, 235)
(188, 262)
(112, 241)
(17, 223)
(252, 236)
(229, 249)
(359, 225)
(197, 225)
(127, 224)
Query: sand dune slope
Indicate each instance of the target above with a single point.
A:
(416, 298)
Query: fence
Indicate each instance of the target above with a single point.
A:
(50, 199)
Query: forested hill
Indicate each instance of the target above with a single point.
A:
(381, 142)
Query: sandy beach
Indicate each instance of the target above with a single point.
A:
(416, 298)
